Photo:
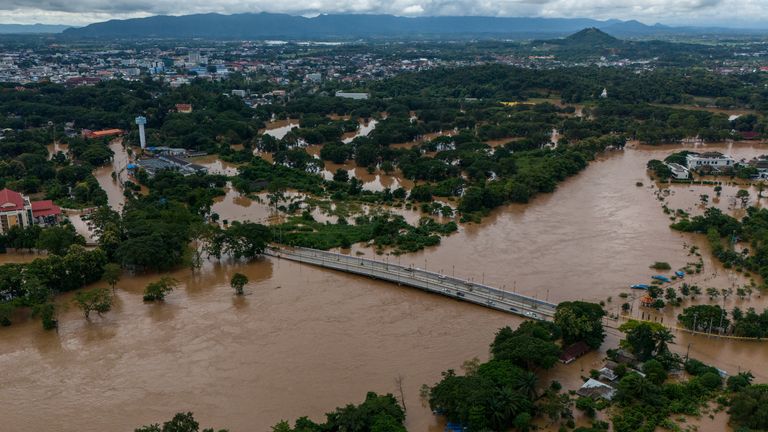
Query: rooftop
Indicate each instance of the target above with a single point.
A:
(11, 200)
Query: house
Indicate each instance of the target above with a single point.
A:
(45, 213)
(596, 390)
(607, 374)
(184, 108)
(761, 164)
(679, 172)
(571, 353)
(15, 210)
(713, 161)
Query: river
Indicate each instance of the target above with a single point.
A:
(305, 340)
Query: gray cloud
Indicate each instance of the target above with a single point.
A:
(78, 12)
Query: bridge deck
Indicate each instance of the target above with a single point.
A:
(437, 283)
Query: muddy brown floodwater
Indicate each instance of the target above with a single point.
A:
(305, 340)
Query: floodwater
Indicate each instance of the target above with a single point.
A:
(305, 340)
(214, 165)
(114, 186)
(363, 130)
(280, 128)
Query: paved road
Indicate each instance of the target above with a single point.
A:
(437, 283)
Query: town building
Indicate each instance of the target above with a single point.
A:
(760, 163)
(87, 133)
(679, 172)
(573, 352)
(46, 213)
(184, 108)
(357, 96)
(712, 161)
(596, 390)
(17, 210)
(167, 162)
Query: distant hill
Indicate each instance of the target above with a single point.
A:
(31, 28)
(591, 37)
(282, 26)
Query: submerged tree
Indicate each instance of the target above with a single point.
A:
(97, 300)
(112, 273)
(237, 283)
(156, 291)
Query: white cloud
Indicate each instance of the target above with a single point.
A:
(699, 12)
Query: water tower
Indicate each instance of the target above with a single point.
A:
(141, 121)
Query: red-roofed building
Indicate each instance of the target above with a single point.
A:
(45, 212)
(15, 210)
(184, 108)
(102, 133)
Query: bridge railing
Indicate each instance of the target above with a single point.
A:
(410, 271)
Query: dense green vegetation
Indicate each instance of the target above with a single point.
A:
(377, 413)
(504, 392)
(385, 231)
(181, 422)
(35, 284)
(722, 230)
(25, 167)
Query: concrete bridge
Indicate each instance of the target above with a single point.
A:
(436, 283)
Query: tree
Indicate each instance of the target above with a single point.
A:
(58, 239)
(655, 371)
(181, 422)
(703, 318)
(749, 407)
(112, 273)
(581, 321)
(530, 346)
(743, 195)
(237, 282)
(97, 300)
(156, 291)
(740, 381)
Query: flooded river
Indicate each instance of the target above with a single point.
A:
(304, 340)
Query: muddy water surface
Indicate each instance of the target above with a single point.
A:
(113, 185)
(305, 340)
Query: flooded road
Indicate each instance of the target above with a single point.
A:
(307, 340)
(114, 185)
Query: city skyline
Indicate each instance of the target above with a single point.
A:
(723, 13)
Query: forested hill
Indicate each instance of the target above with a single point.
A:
(266, 25)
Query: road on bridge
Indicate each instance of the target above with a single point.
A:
(494, 298)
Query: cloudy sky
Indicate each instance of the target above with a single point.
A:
(731, 13)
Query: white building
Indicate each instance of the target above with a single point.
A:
(15, 210)
(347, 95)
(678, 171)
(710, 160)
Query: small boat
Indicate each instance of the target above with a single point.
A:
(661, 278)
(680, 273)
(640, 286)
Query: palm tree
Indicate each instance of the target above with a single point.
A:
(663, 337)
(505, 404)
(525, 383)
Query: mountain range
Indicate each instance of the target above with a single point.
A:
(340, 26)
(31, 28)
